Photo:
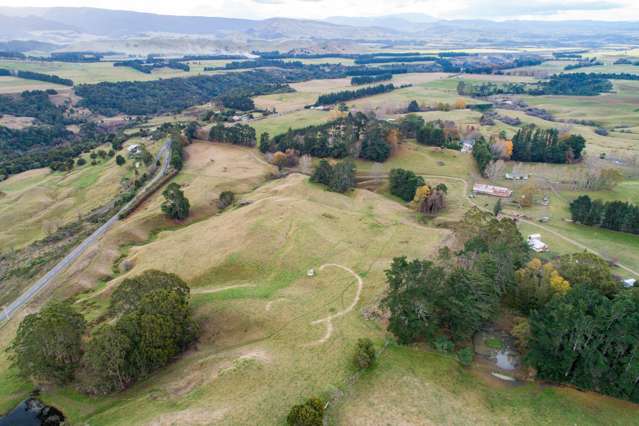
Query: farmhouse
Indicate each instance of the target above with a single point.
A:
(535, 243)
(495, 191)
(133, 149)
(516, 176)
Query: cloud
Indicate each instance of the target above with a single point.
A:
(500, 8)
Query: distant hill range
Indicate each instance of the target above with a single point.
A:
(69, 26)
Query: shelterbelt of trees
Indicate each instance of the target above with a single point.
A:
(30, 75)
(576, 84)
(614, 215)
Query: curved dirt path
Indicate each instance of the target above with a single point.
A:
(329, 319)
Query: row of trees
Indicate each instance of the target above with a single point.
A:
(368, 79)
(151, 325)
(147, 66)
(238, 134)
(348, 95)
(535, 144)
(31, 75)
(613, 215)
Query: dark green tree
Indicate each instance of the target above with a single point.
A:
(343, 176)
(127, 296)
(119, 160)
(265, 143)
(404, 183)
(323, 173)
(176, 205)
(47, 345)
(413, 106)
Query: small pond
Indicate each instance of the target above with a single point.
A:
(33, 412)
(498, 349)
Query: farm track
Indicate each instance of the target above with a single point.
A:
(369, 178)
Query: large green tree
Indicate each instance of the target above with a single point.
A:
(176, 205)
(404, 183)
(47, 345)
(589, 341)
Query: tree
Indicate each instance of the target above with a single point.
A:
(47, 345)
(528, 195)
(119, 160)
(365, 355)
(410, 125)
(323, 173)
(225, 200)
(421, 194)
(588, 269)
(497, 208)
(343, 176)
(128, 295)
(482, 154)
(434, 203)
(537, 283)
(176, 205)
(413, 106)
(191, 130)
(374, 146)
(425, 300)
(580, 208)
(589, 341)
(104, 363)
(265, 143)
(81, 162)
(310, 413)
(404, 183)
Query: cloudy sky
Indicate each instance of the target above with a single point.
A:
(318, 9)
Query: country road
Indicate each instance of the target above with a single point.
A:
(368, 178)
(72, 256)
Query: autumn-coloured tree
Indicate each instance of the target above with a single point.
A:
(536, 284)
(422, 193)
(460, 104)
(393, 138)
(528, 195)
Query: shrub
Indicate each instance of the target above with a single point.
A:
(225, 200)
(119, 160)
(310, 413)
(465, 356)
(364, 354)
(443, 344)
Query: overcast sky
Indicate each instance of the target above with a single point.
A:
(625, 10)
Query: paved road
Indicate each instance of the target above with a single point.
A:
(47, 278)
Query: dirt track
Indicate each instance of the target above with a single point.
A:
(329, 319)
